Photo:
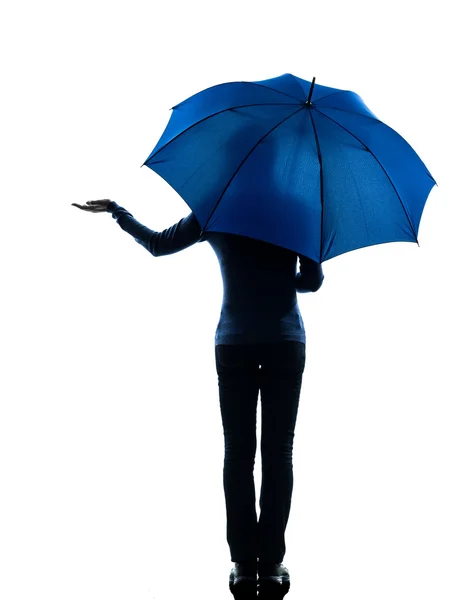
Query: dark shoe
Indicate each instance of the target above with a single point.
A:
(273, 581)
(243, 580)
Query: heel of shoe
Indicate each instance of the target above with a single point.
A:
(273, 581)
(270, 588)
(244, 589)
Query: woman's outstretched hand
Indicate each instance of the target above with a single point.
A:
(94, 205)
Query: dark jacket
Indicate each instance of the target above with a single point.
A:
(260, 281)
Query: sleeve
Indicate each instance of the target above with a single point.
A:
(183, 234)
(310, 277)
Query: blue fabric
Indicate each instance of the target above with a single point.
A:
(320, 179)
(259, 280)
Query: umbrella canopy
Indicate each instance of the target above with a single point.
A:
(303, 166)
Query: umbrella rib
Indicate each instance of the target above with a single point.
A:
(213, 115)
(266, 87)
(385, 172)
(319, 154)
(243, 161)
(351, 112)
(334, 93)
(274, 89)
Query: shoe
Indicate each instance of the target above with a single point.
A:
(243, 580)
(273, 581)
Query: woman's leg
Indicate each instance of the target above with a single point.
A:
(238, 380)
(282, 367)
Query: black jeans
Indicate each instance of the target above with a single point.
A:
(276, 370)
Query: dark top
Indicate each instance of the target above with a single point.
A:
(259, 279)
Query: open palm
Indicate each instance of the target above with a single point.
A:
(93, 205)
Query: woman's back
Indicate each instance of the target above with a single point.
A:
(259, 293)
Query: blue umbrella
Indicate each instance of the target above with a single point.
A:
(303, 166)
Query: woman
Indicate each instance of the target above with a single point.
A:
(259, 347)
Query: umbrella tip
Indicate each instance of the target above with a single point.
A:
(310, 91)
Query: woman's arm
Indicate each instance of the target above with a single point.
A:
(182, 235)
(310, 277)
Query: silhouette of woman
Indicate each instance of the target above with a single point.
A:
(259, 347)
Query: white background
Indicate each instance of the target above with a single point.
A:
(111, 442)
